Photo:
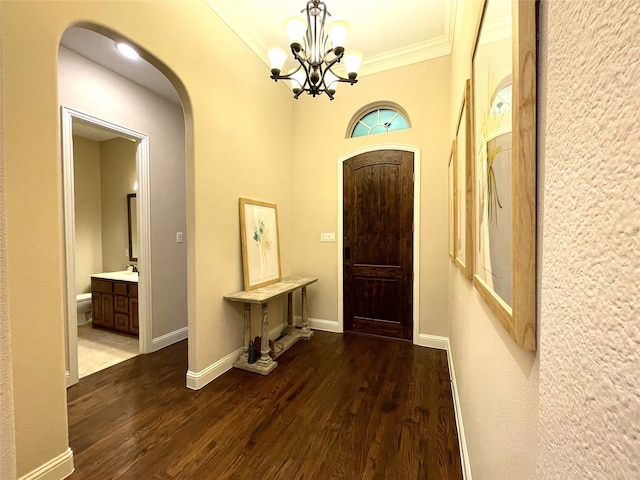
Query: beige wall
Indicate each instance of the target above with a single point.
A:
(497, 381)
(88, 216)
(117, 176)
(221, 166)
(590, 291)
(319, 141)
(7, 425)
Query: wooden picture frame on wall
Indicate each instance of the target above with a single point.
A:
(463, 183)
(503, 100)
(452, 202)
(260, 243)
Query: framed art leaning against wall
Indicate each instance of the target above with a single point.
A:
(503, 99)
(260, 243)
(463, 200)
(452, 202)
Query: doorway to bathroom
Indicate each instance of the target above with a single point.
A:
(106, 209)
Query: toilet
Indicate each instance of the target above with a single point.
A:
(83, 302)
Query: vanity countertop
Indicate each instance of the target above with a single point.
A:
(125, 276)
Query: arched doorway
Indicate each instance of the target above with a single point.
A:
(94, 88)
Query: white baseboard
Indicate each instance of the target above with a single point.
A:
(275, 332)
(433, 341)
(462, 441)
(320, 324)
(169, 339)
(197, 380)
(324, 325)
(55, 469)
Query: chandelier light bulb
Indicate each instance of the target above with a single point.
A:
(277, 57)
(352, 60)
(337, 32)
(296, 28)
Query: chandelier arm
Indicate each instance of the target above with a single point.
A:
(298, 55)
(308, 35)
(336, 57)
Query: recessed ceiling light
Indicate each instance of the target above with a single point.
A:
(128, 51)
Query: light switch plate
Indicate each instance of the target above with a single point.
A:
(327, 237)
(179, 238)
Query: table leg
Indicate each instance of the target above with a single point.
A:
(247, 331)
(265, 361)
(291, 328)
(306, 332)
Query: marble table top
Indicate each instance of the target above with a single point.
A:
(269, 292)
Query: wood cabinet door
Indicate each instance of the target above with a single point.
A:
(378, 243)
(107, 309)
(133, 316)
(121, 304)
(121, 322)
(96, 306)
(102, 304)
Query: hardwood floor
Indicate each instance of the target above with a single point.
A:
(337, 407)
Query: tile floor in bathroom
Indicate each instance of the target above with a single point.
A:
(99, 349)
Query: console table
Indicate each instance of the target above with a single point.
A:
(262, 296)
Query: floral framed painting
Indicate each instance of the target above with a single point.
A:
(463, 184)
(260, 243)
(503, 100)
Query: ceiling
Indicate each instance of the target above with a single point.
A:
(390, 34)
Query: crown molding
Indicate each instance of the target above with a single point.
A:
(248, 36)
(405, 56)
(411, 54)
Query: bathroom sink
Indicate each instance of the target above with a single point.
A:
(124, 276)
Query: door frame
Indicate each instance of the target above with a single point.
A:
(144, 233)
(416, 230)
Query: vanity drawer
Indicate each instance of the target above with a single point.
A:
(120, 288)
(105, 286)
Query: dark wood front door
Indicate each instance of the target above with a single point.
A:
(378, 243)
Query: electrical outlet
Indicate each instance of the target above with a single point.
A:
(179, 237)
(327, 237)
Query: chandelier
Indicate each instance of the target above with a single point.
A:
(317, 48)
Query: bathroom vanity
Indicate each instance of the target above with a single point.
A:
(114, 297)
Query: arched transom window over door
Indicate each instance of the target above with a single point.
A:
(379, 117)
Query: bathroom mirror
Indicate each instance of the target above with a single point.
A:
(132, 211)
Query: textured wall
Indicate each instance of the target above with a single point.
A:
(590, 335)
